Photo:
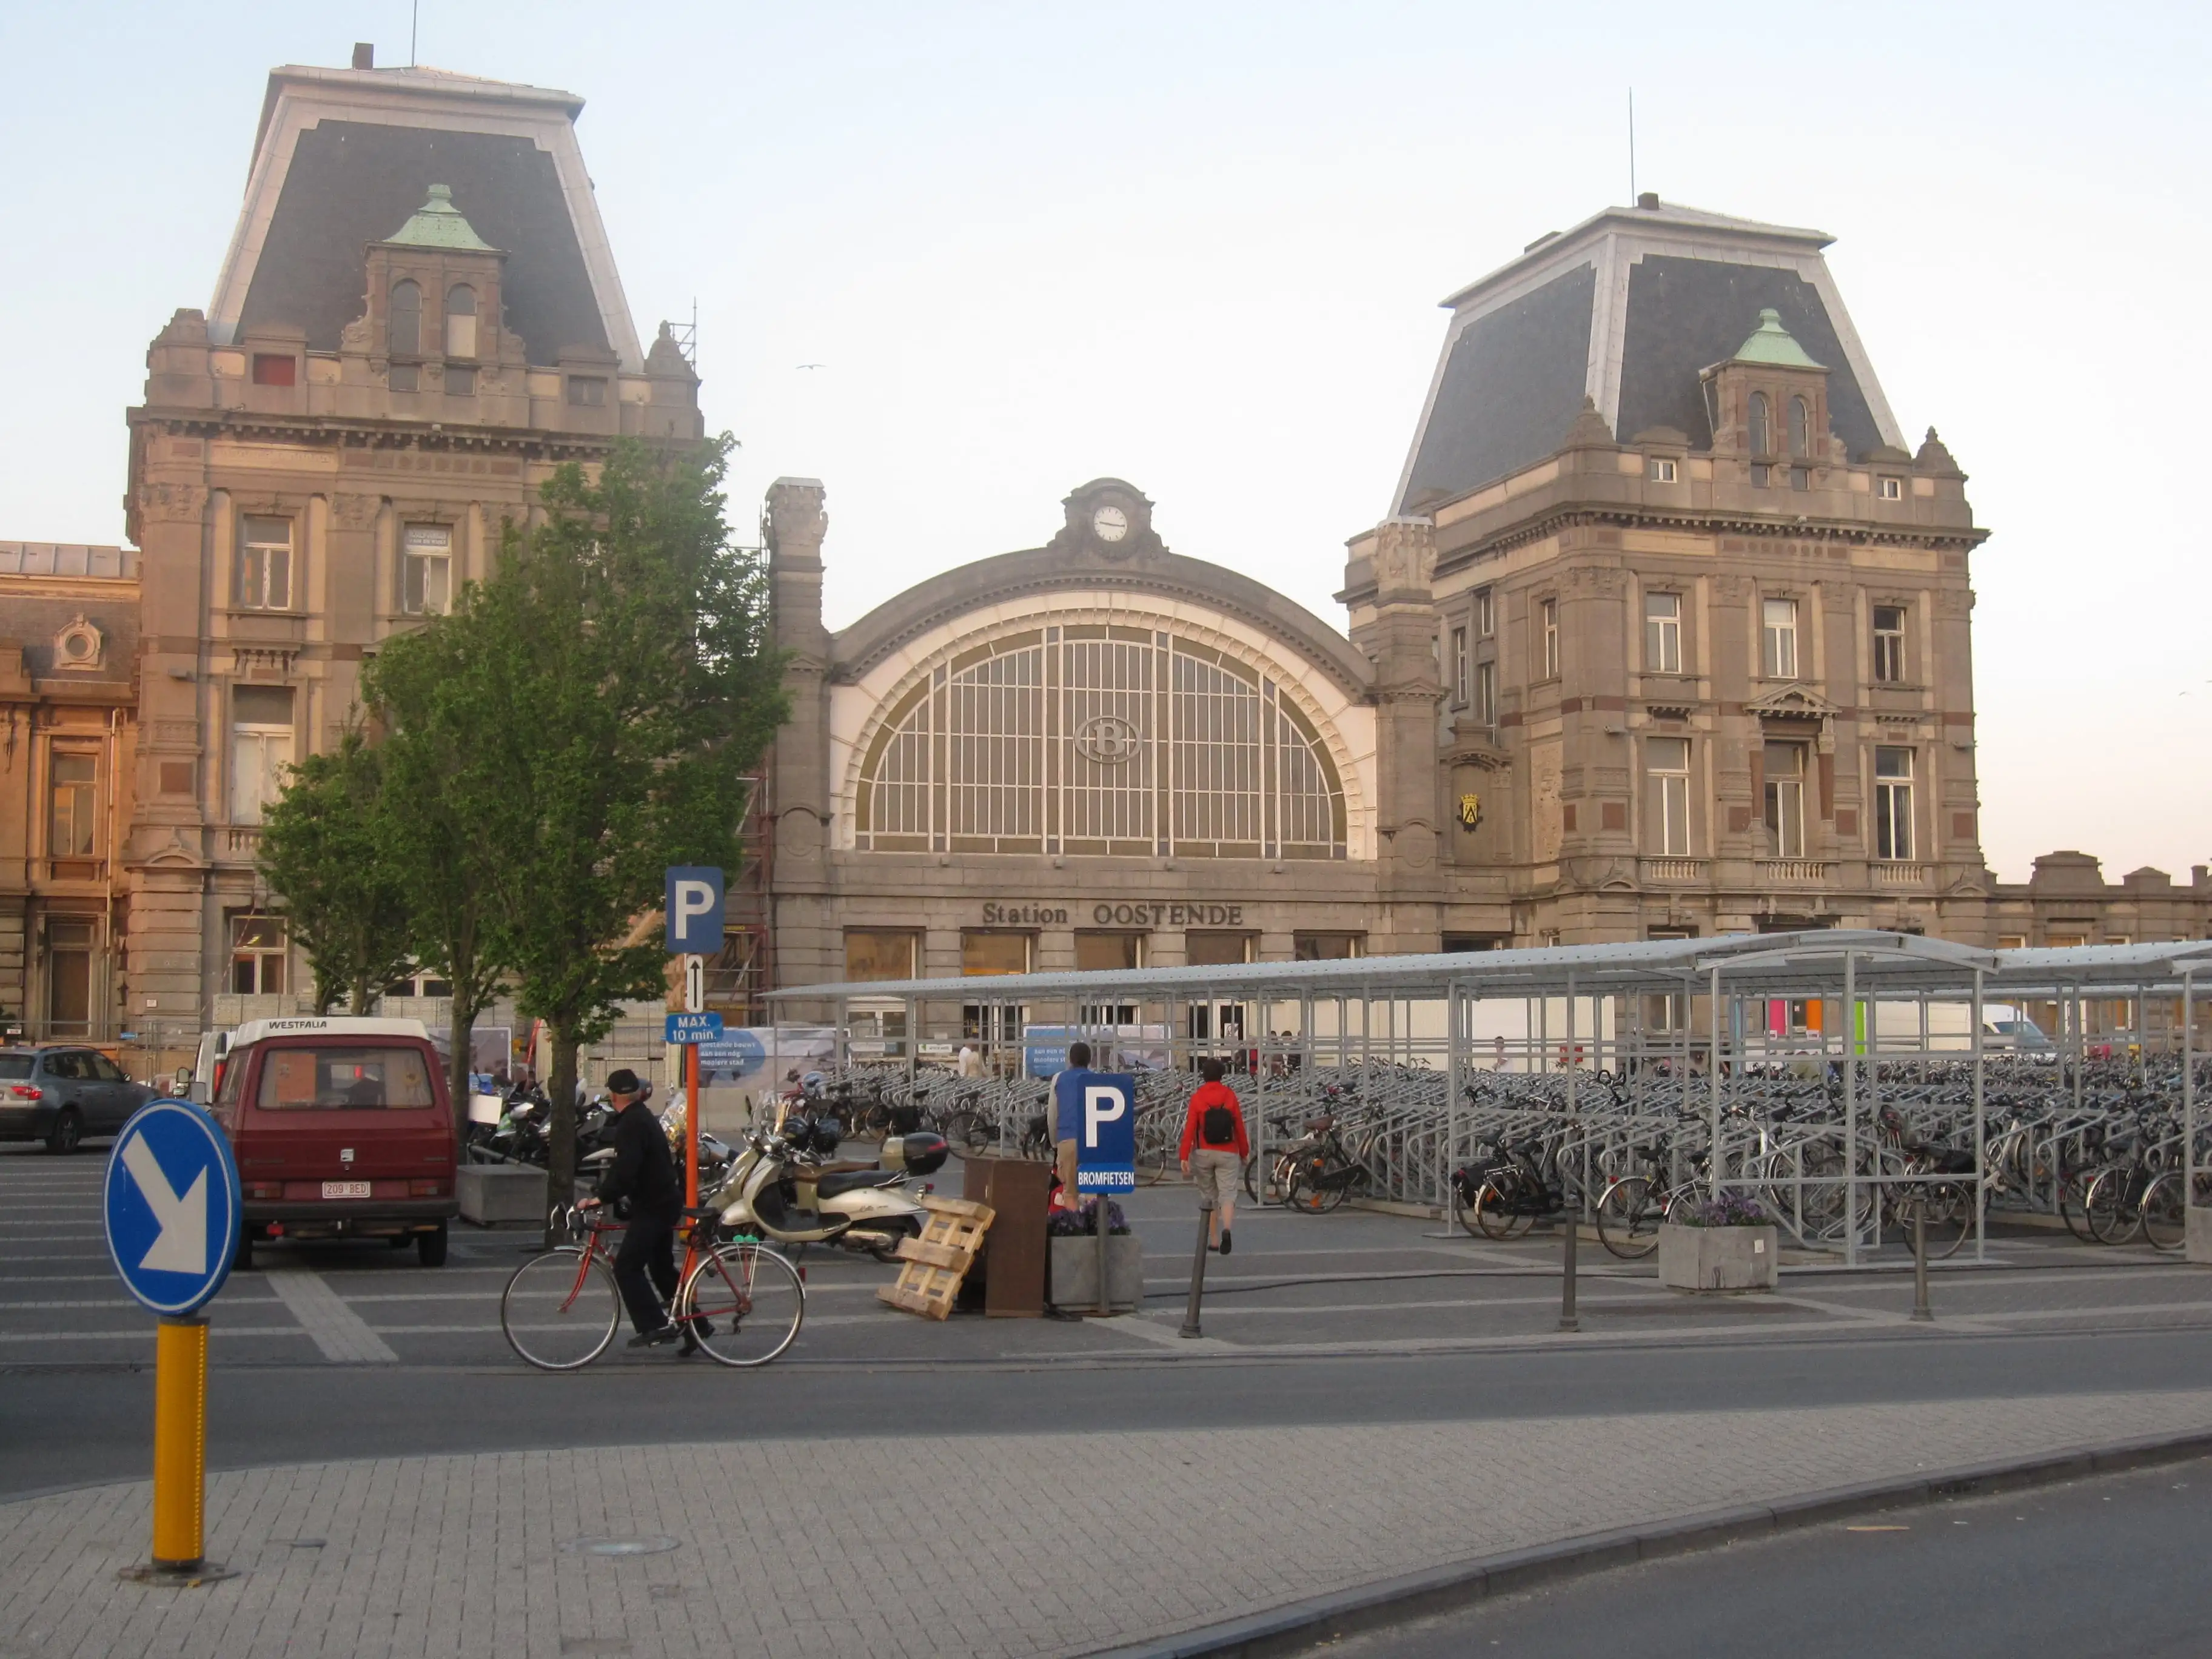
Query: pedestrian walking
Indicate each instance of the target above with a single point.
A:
(644, 1172)
(1214, 1148)
(1067, 1118)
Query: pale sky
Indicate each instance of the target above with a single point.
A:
(1199, 246)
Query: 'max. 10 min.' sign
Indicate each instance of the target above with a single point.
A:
(1141, 914)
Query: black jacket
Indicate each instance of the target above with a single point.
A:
(644, 1169)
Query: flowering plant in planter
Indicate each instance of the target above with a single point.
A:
(1083, 1223)
(1728, 1210)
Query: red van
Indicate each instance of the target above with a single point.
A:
(343, 1129)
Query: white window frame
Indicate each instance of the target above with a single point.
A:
(426, 569)
(1889, 643)
(1893, 805)
(262, 954)
(259, 756)
(1889, 489)
(1485, 693)
(1459, 667)
(1547, 624)
(1667, 766)
(1485, 613)
(1663, 633)
(265, 567)
(1785, 805)
(1778, 639)
(1664, 470)
(83, 816)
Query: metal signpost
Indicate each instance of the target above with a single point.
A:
(171, 1208)
(693, 905)
(1106, 1151)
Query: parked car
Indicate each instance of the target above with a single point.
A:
(2019, 1036)
(60, 1095)
(343, 1129)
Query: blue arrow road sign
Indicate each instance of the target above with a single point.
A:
(693, 904)
(693, 1028)
(1106, 1144)
(171, 1206)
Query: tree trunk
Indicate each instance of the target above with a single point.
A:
(561, 1122)
(460, 1035)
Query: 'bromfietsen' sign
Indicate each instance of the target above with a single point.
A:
(1141, 915)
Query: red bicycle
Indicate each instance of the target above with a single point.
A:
(739, 1300)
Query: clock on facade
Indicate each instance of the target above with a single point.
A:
(1110, 523)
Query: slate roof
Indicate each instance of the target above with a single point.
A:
(1626, 309)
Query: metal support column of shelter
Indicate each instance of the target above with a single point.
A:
(2188, 1101)
(1850, 1111)
(1570, 1216)
(1981, 1146)
(1713, 1076)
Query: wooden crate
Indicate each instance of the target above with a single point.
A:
(938, 1260)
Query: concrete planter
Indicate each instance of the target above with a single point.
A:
(1075, 1283)
(491, 1193)
(2198, 1246)
(1718, 1259)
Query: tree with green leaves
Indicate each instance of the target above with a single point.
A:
(319, 854)
(627, 648)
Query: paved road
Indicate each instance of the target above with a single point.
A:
(356, 1350)
(2114, 1565)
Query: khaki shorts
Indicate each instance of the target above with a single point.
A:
(1214, 1171)
(1064, 1155)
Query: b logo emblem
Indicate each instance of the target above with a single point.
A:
(1470, 811)
(1107, 739)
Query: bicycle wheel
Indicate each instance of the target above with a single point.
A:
(970, 1132)
(744, 1303)
(1495, 1215)
(1628, 1218)
(2165, 1216)
(559, 1311)
(2106, 1210)
(1318, 1186)
(1950, 1219)
(2073, 1210)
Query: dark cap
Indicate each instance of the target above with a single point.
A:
(623, 1082)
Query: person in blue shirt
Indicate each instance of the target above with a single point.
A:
(1067, 1118)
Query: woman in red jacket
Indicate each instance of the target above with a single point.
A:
(1214, 1148)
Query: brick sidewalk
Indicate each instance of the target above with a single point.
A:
(788, 1546)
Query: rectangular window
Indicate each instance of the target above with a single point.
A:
(1327, 947)
(1667, 766)
(1485, 614)
(426, 578)
(1663, 633)
(73, 813)
(1095, 952)
(987, 952)
(404, 377)
(1458, 666)
(1890, 489)
(881, 954)
(1889, 644)
(343, 1079)
(1663, 470)
(1785, 800)
(260, 749)
(587, 391)
(68, 976)
(460, 382)
(1485, 693)
(1778, 639)
(265, 565)
(1893, 804)
(1211, 949)
(1548, 628)
(275, 368)
(256, 955)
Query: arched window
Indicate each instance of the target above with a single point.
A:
(1760, 435)
(1800, 429)
(1098, 738)
(460, 321)
(404, 335)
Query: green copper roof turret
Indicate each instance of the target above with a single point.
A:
(438, 223)
(1774, 344)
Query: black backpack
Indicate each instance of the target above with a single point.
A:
(1218, 1127)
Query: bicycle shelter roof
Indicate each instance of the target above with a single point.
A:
(1809, 962)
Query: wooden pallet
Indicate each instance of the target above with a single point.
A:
(951, 1240)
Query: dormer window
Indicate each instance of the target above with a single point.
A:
(1890, 489)
(1800, 429)
(1663, 470)
(460, 321)
(1759, 434)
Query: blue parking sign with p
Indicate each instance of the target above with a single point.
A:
(694, 908)
(1106, 1136)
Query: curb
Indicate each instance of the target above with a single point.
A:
(1303, 1624)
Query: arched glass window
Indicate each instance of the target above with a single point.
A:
(405, 337)
(1760, 435)
(1800, 429)
(1099, 738)
(460, 321)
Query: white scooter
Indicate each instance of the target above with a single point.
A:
(774, 1188)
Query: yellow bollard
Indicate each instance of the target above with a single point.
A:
(180, 1444)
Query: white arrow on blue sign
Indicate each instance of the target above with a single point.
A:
(693, 1028)
(171, 1203)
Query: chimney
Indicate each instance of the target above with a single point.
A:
(364, 54)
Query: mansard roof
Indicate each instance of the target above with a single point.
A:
(344, 156)
(1626, 309)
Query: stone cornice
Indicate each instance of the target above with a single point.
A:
(351, 433)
